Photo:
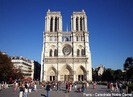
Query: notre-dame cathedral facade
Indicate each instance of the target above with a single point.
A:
(66, 55)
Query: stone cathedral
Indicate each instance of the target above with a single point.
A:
(66, 54)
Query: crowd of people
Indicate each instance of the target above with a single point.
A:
(118, 87)
(25, 87)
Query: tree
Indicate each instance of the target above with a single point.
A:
(118, 75)
(17, 74)
(128, 63)
(108, 75)
(128, 66)
(7, 69)
(130, 73)
(94, 74)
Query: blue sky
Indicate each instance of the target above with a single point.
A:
(110, 25)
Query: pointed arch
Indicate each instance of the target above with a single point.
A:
(81, 73)
(51, 73)
(67, 68)
(81, 70)
(66, 73)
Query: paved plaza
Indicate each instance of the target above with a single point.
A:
(100, 91)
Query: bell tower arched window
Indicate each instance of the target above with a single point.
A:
(81, 24)
(55, 52)
(51, 24)
(56, 24)
(50, 53)
(82, 52)
(78, 52)
(77, 24)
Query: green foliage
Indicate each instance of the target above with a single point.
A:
(130, 73)
(7, 70)
(128, 63)
(118, 75)
(108, 75)
(5, 67)
(129, 85)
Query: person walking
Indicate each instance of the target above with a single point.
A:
(48, 89)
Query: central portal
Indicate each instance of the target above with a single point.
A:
(66, 73)
(66, 77)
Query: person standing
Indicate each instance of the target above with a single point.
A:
(83, 87)
(35, 86)
(116, 87)
(70, 86)
(126, 87)
(75, 85)
(94, 85)
(21, 90)
(120, 87)
(26, 90)
(66, 86)
(87, 85)
(48, 89)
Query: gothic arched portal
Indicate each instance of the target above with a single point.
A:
(51, 74)
(80, 73)
(66, 73)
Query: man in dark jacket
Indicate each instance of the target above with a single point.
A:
(48, 89)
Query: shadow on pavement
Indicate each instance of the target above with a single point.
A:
(43, 95)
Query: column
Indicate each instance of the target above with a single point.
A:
(74, 45)
(78, 23)
(60, 24)
(58, 75)
(74, 76)
(86, 43)
(48, 24)
(60, 44)
(71, 23)
(57, 23)
(45, 24)
(42, 69)
(85, 23)
(74, 23)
